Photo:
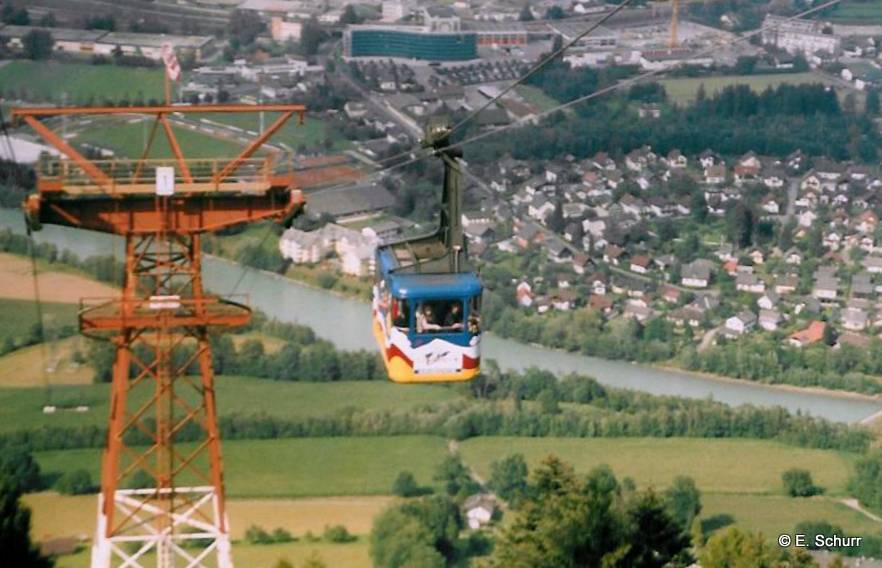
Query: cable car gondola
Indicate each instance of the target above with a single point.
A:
(426, 298)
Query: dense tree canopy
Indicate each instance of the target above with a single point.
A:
(568, 521)
(16, 548)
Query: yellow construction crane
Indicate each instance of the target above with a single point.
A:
(675, 14)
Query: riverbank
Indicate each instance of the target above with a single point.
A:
(667, 367)
(346, 323)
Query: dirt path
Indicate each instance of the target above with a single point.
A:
(853, 504)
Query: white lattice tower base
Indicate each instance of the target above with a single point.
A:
(194, 539)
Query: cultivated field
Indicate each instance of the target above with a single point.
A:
(48, 80)
(350, 555)
(57, 516)
(682, 90)
(22, 367)
(717, 465)
(16, 282)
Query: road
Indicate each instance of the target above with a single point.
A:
(377, 103)
(792, 194)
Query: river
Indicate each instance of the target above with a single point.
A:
(346, 323)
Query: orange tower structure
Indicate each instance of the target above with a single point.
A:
(162, 491)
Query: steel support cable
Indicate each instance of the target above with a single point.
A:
(32, 253)
(563, 106)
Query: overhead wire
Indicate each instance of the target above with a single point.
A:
(32, 253)
(540, 65)
(426, 153)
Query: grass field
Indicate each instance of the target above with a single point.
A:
(774, 514)
(859, 12)
(300, 467)
(236, 395)
(57, 516)
(24, 314)
(535, 96)
(48, 80)
(127, 136)
(312, 133)
(717, 465)
(682, 90)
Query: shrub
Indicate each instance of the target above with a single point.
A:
(76, 482)
(798, 483)
(338, 534)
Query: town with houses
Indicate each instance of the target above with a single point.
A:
(380, 71)
(620, 246)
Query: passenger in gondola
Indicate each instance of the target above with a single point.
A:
(401, 317)
(426, 320)
(453, 319)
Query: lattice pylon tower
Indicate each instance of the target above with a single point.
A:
(162, 494)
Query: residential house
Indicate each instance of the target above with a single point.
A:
(749, 282)
(768, 301)
(540, 208)
(814, 333)
(612, 254)
(603, 304)
(862, 285)
(757, 256)
(675, 159)
(669, 293)
(524, 294)
(769, 319)
(854, 319)
(581, 261)
(715, 175)
(687, 315)
(707, 159)
(786, 284)
(558, 251)
(866, 222)
(695, 275)
(873, 264)
(793, 256)
(771, 205)
(479, 510)
(597, 282)
(826, 288)
(640, 264)
(638, 310)
(740, 323)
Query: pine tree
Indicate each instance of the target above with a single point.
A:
(16, 548)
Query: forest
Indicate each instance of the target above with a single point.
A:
(732, 122)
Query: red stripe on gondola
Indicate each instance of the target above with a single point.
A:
(469, 363)
(394, 351)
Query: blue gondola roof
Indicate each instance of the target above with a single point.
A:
(435, 286)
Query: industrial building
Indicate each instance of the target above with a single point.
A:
(503, 34)
(409, 42)
(102, 42)
(799, 36)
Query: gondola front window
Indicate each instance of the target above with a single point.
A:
(440, 316)
(400, 314)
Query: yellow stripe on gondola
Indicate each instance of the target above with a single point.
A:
(400, 372)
